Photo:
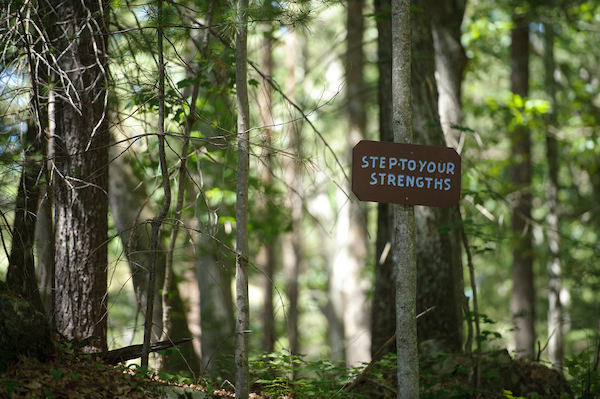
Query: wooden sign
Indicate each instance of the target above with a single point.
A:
(407, 174)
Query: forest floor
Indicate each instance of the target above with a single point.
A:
(71, 375)
(68, 374)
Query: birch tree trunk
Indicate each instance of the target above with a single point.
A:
(241, 213)
(404, 218)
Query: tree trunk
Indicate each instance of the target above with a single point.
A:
(81, 160)
(351, 229)
(450, 62)
(292, 242)
(157, 221)
(440, 281)
(39, 144)
(45, 254)
(404, 218)
(555, 314)
(44, 229)
(522, 304)
(129, 213)
(267, 253)
(21, 268)
(216, 302)
(241, 214)
(383, 325)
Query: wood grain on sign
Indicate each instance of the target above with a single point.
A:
(407, 174)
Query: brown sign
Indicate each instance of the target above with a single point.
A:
(406, 174)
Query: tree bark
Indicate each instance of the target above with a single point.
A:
(555, 313)
(450, 62)
(440, 281)
(522, 304)
(241, 214)
(383, 323)
(21, 267)
(292, 243)
(45, 253)
(81, 171)
(351, 230)
(404, 218)
(216, 302)
(267, 252)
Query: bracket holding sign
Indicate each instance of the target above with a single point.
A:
(407, 174)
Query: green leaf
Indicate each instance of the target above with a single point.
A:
(56, 374)
(9, 384)
(165, 376)
(75, 376)
(253, 82)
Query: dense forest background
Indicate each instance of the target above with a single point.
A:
(119, 120)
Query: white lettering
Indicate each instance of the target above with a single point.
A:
(373, 179)
(365, 163)
(429, 179)
(450, 168)
(392, 162)
(402, 161)
(391, 179)
(410, 181)
(400, 180)
(438, 184)
(422, 165)
(382, 175)
(374, 159)
(447, 182)
(412, 165)
(420, 183)
(441, 167)
(431, 167)
(382, 162)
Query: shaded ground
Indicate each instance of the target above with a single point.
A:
(67, 374)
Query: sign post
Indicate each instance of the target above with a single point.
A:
(406, 174)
